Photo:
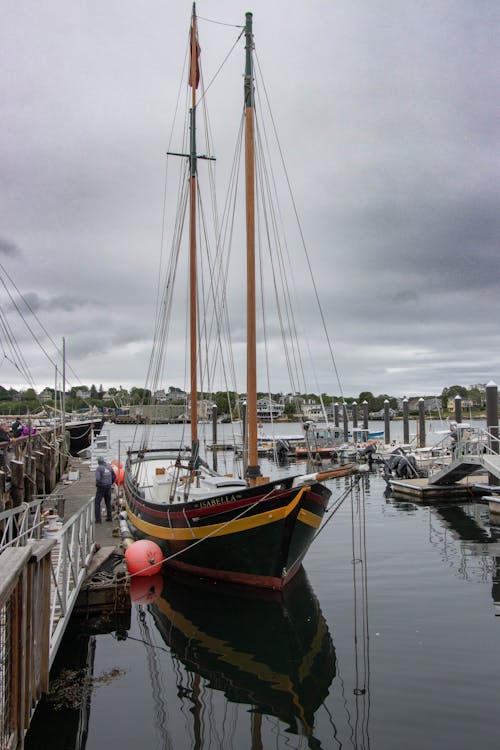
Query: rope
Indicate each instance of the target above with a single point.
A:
(208, 536)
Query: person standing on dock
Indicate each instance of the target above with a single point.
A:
(105, 478)
(16, 428)
(4, 444)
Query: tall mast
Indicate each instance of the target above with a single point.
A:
(253, 469)
(193, 82)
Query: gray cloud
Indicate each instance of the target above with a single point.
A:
(387, 118)
(8, 248)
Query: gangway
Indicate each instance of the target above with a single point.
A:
(456, 471)
(474, 449)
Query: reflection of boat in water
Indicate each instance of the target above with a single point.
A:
(271, 650)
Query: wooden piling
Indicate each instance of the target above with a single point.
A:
(17, 482)
(421, 423)
(492, 422)
(387, 422)
(365, 415)
(406, 421)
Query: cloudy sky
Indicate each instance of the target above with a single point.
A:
(388, 118)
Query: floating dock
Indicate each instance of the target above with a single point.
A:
(421, 489)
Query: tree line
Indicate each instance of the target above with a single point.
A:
(28, 401)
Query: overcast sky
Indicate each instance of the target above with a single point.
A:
(388, 112)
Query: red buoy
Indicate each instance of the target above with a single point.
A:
(143, 558)
(145, 590)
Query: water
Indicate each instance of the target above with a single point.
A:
(390, 640)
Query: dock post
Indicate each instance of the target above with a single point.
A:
(406, 421)
(17, 482)
(421, 423)
(354, 407)
(492, 422)
(40, 474)
(387, 423)
(458, 409)
(336, 415)
(214, 437)
(365, 414)
(47, 469)
(346, 422)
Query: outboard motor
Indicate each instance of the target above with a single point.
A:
(282, 450)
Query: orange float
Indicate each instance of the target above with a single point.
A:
(143, 558)
(145, 590)
(119, 471)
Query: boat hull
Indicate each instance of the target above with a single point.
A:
(256, 536)
(81, 433)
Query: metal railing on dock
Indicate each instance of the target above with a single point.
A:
(39, 583)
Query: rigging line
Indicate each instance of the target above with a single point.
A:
(170, 139)
(209, 535)
(286, 269)
(218, 288)
(281, 274)
(337, 504)
(24, 320)
(2, 267)
(301, 235)
(217, 72)
(365, 611)
(220, 23)
(16, 354)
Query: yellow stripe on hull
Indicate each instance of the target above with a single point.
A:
(311, 519)
(217, 529)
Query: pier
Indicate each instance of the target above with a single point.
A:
(51, 553)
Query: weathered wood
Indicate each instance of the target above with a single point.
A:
(29, 676)
(13, 559)
(17, 482)
(29, 478)
(47, 461)
(40, 473)
(45, 633)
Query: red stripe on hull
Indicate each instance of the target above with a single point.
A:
(265, 582)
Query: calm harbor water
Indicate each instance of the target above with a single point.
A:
(388, 640)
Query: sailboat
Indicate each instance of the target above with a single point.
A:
(251, 529)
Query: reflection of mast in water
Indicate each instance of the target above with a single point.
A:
(361, 631)
(155, 675)
(270, 650)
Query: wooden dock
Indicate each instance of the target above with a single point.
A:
(106, 584)
(45, 576)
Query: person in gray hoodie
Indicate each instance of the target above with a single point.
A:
(105, 477)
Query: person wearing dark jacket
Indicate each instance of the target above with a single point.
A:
(105, 477)
(16, 428)
(4, 443)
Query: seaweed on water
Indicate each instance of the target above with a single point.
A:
(73, 687)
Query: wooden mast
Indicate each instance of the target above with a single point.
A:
(193, 82)
(253, 469)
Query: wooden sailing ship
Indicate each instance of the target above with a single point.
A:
(252, 529)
